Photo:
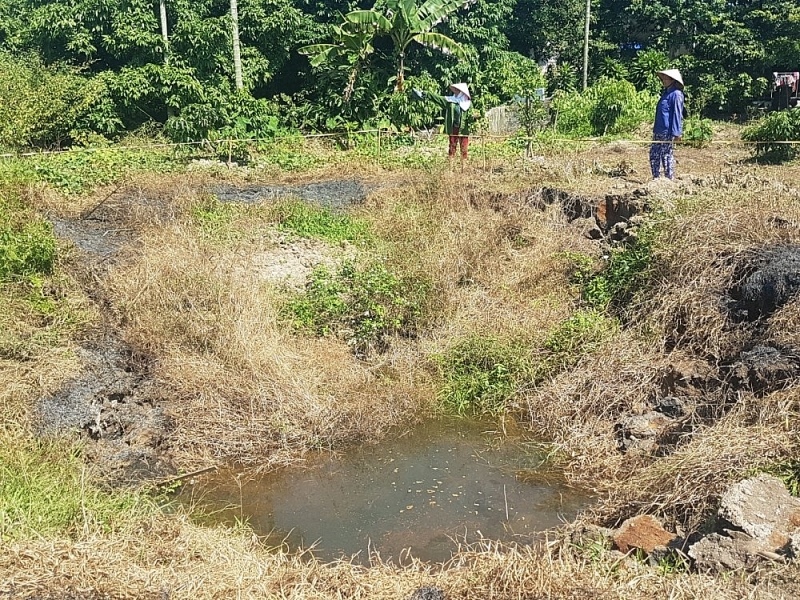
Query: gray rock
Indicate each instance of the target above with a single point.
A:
(641, 432)
(719, 553)
(762, 507)
(674, 406)
(794, 544)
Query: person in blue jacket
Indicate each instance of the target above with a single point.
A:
(668, 125)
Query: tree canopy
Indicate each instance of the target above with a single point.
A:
(320, 64)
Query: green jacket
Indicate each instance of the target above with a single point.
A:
(453, 115)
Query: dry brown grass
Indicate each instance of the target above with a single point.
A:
(704, 246)
(242, 387)
(172, 558)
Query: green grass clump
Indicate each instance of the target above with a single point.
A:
(480, 375)
(312, 221)
(215, 217)
(44, 491)
(27, 243)
(584, 332)
(362, 305)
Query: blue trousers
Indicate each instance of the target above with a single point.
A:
(662, 154)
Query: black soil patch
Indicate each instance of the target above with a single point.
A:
(109, 403)
(331, 194)
(763, 369)
(93, 236)
(766, 280)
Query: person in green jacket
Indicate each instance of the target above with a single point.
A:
(456, 116)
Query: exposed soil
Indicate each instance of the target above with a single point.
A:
(116, 407)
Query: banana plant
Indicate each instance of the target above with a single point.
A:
(352, 46)
(401, 20)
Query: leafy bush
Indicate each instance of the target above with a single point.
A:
(511, 75)
(608, 107)
(404, 112)
(364, 306)
(43, 107)
(644, 67)
(481, 374)
(697, 132)
(232, 123)
(773, 129)
(27, 243)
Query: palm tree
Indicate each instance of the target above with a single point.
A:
(403, 21)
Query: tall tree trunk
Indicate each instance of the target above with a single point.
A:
(399, 85)
(586, 43)
(164, 31)
(237, 51)
(162, 10)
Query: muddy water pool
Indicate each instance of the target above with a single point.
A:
(443, 483)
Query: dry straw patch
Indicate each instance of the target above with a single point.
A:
(577, 409)
(172, 558)
(239, 385)
(495, 263)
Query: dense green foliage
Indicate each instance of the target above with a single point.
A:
(72, 70)
(770, 132)
(481, 374)
(608, 107)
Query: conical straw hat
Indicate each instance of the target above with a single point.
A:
(673, 74)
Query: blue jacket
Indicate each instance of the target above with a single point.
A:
(669, 113)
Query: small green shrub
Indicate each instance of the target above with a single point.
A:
(215, 217)
(362, 305)
(787, 471)
(27, 243)
(609, 107)
(644, 67)
(312, 221)
(697, 132)
(771, 131)
(481, 374)
(626, 272)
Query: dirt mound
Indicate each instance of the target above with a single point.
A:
(108, 402)
(767, 280)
